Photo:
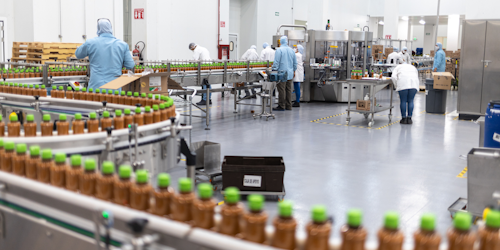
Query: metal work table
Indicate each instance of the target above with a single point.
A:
(373, 83)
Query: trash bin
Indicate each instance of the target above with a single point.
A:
(435, 99)
(492, 125)
(207, 155)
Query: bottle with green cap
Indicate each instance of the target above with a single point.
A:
(58, 170)
(231, 212)
(129, 99)
(30, 89)
(148, 115)
(105, 181)
(389, 236)
(140, 193)
(93, 123)
(122, 186)
(163, 112)
(284, 226)
(7, 156)
(106, 121)
(116, 97)
(32, 162)
(78, 124)
(182, 202)
(46, 126)
(149, 101)
(118, 120)
(14, 126)
(54, 93)
(353, 233)
(43, 170)
(144, 99)
(128, 118)
(30, 126)
(62, 125)
(77, 94)
(318, 229)
(109, 96)
(156, 114)
(489, 236)
(74, 173)
(61, 93)
(69, 93)
(138, 117)
(43, 91)
(204, 207)
(255, 219)
(19, 160)
(137, 99)
(122, 97)
(426, 238)
(2, 127)
(84, 96)
(460, 236)
(89, 177)
(97, 95)
(162, 195)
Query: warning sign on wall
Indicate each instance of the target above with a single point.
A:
(139, 13)
(222, 24)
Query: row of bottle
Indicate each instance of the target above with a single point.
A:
(67, 71)
(358, 74)
(199, 212)
(23, 89)
(37, 72)
(194, 66)
(158, 114)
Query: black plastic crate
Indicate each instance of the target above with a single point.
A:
(249, 173)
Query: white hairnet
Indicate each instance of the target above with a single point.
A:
(265, 45)
(300, 49)
(396, 49)
(192, 46)
(104, 26)
(253, 47)
(405, 49)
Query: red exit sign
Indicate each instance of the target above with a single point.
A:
(139, 13)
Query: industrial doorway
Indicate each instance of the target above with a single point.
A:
(233, 46)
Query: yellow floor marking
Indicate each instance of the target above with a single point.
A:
(461, 175)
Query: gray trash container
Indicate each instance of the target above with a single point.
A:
(435, 99)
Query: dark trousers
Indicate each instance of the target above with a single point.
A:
(406, 96)
(285, 94)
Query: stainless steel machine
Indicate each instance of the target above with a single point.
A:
(479, 67)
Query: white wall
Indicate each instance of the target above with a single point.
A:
(23, 21)
(429, 40)
(391, 18)
(7, 15)
(268, 22)
(418, 32)
(403, 30)
(235, 20)
(248, 25)
(224, 17)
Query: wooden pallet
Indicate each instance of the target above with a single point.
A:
(61, 45)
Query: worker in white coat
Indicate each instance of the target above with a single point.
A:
(251, 54)
(405, 56)
(405, 77)
(201, 54)
(267, 54)
(394, 58)
(299, 74)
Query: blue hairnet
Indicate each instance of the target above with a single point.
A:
(253, 47)
(440, 45)
(300, 49)
(404, 48)
(104, 26)
(265, 45)
(396, 49)
(284, 40)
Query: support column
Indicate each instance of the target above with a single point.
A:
(391, 18)
(453, 32)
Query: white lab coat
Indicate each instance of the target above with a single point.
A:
(406, 57)
(405, 76)
(299, 73)
(201, 53)
(251, 55)
(267, 54)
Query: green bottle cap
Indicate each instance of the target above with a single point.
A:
(118, 113)
(61, 88)
(205, 191)
(354, 217)
(462, 221)
(21, 148)
(46, 118)
(143, 95)
(232, 195)
(76, 160)
(137, 110)
(1, 118)
(150, 96)
(90, 164)
(36, 86)
(105, 114)
(127, 111)
(78, 116)
(255, 202)
(30, 118)
(91, 90)
(117, 92)
(98, 91)
(285, 209)
(155, 107)
(13, 118)
(93, 115)
(9, 145)
(136, 94)
(125, 171)
(31, 86)
(60, 157)
(141, 176)
(129, 93)
(69, 88)
(77, 89)
(35, 151)
(25, 85)
(62, 117)
(122, 93)
(428, 222)
(163, 180)
(43, 86)
(319, 214)
(54, 87)
(391, 220)
(147, 109)
(110, 91)
(185, 185)
(47, 154)
(162, 106)
(493, 219)
(84, 89)
(108, 167)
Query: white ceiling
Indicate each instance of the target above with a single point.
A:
(414, 20)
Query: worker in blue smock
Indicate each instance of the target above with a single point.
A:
(439, 59)
(285, 60)
(107, 55)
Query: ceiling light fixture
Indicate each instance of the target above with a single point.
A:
(381, 22)
(405, 18)
(421, 21)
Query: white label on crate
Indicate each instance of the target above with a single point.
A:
(155, 81)
(427, 92)
(496, 137)
(252, 181)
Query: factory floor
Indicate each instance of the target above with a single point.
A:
(410, 169)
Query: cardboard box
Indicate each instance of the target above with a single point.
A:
(388, 51)
(442, 80)
(155, 83)
(376, 49)
(363, 105)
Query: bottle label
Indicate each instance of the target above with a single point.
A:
(252, 181)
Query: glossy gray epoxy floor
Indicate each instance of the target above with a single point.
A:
(407, 168)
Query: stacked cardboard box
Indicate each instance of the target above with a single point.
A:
(377, 50)
(388, 51)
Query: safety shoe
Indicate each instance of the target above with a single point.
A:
(296, 105)
(408, 120)
(403, 121)
(278, 109)
(203, 102)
